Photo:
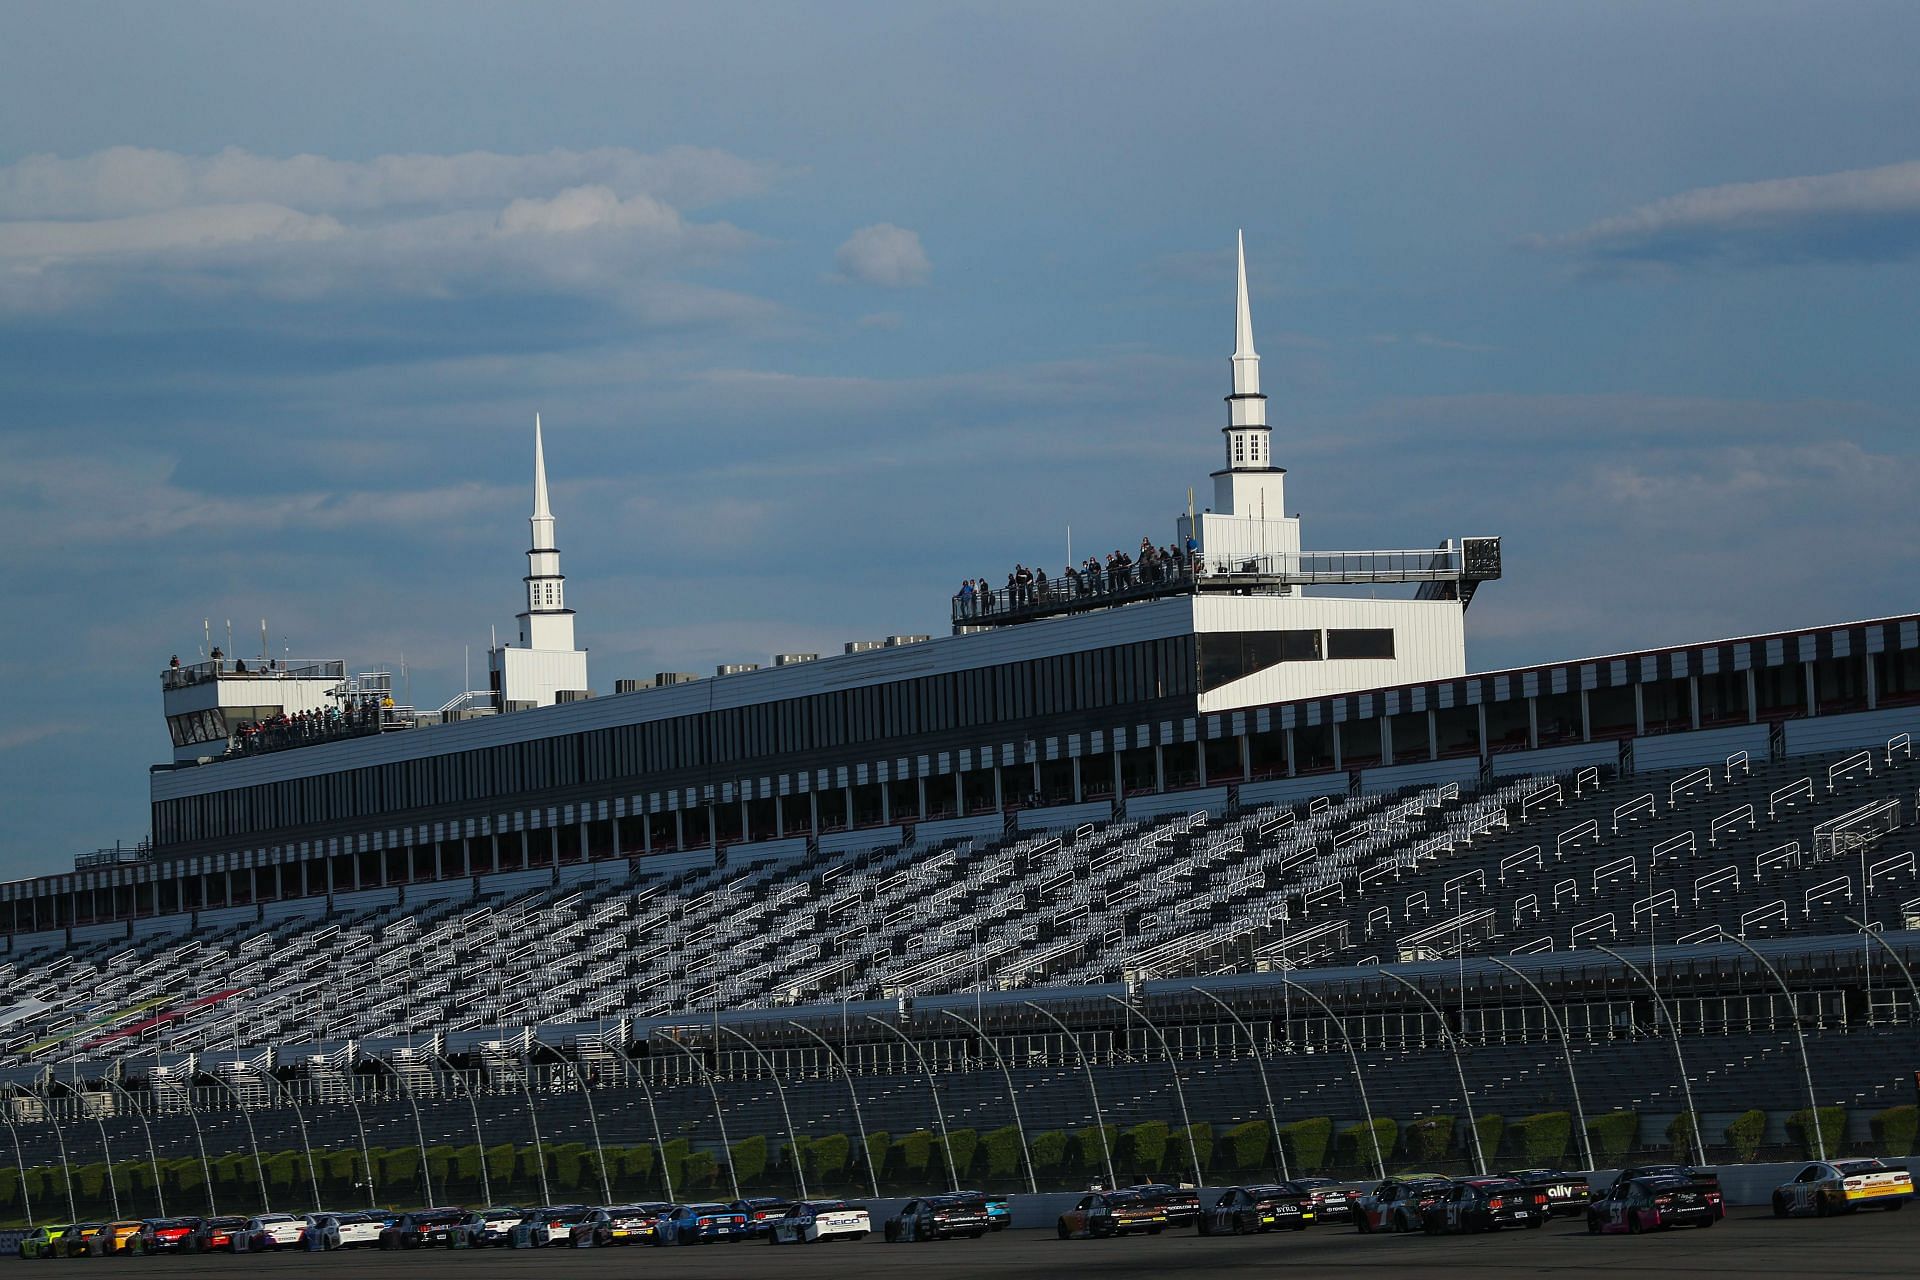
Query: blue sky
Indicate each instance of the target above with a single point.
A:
(828, 306)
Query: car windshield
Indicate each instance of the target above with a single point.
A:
(711, 1208)
(223, 1224)
(1859, 1166)
(636, 1210)
(1273, 1189)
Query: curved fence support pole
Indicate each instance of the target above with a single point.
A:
(419, 1131)
(593, 1120)
(1566, 1046)
(200, 1142)
(1099, 1122)
(719, 1113)
(1894, 955)
(653, 1114)
(1453, 1048)
(366, 1154)
(19, 1156)
(1260, 1063)
(45, 1094)
(259, 1165)
(853, 1096)
(486, 1180)
(939, 1112)
(106, 1150)
(1179, 1090)
(1673, 1029)
(533, 1121)
(780, 1089)
(1359, 1080)
(1806, 1066)
(153, 1156)
(1013, 1100)
(313, 1173)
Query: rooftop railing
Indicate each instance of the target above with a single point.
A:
(187, 675)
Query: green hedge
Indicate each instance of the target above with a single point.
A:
(1612, 1136)
(1307, 1142)
(826, 1157)
(1540, 1139)
(1680, 1135)
(878, 1144)
(1358, 1148)
(1745, 1133)
(1490, 1129)
(1002, 1153)
(1833, 1126)
(1895, 1128)
(750, 1159)
(698, 1172)
(958, 1150)
(1088, 1156)
(913, 1154)
(1143, 1149)
(1188, 1147)
(501, 1162)
(1248, 1146)
(1429, 1139)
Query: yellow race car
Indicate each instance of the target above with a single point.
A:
(43, 1242)
(1841, 1186)
(123, 1237)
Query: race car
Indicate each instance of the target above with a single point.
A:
(1266, 1207)
(700, 1224)
(77, 1240)
(1707, 1180)
(1182, 1203)
(116, 1237)
(431, 1228)
(762, 1212)
(818, 1221)
(1332, 1199)
(1485, 1204)
(999, 1208)
(938, 1218)
(1399, 1204)
(1567, 1193)
(571, 1226)
(1100, 1214)
(216, 1235)
(1652, 1203)
(43, 1242)
(347, 1230)
(635, 1223)
(274, 1231)
(1841, 1186)
(497, 1224)
(168, 1235)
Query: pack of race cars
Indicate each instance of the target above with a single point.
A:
(1640, 1199)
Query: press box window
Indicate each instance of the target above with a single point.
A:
(1371, 643)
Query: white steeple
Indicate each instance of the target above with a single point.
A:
(545, 664)
(1248, 445)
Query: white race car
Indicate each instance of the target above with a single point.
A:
(1841, 1186)
(275, 1231)
(814, 1221)
(348, 1230)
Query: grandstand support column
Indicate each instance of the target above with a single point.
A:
(153, 1156)
(1076, 779)
(1260, 1064)
(1179, 1089)
(419, 1130)
(853, 1096)
(713, 1091)
(1806, 1065)
(1453, 1048)
(1359, 1080)
(1099, 1122)
(1586, 716)
(1566, 1047)
(486, 1181)
(45, 1094)
(1013, 1100)
(253, 1140)
(939, 1112)
(1874, 934)
(593, 1120)
(780, 1089)
(653, 1113)
(19, 1156)
(1673, 1031)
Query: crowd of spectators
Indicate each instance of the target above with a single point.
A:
(1117, 574)
(360, 716)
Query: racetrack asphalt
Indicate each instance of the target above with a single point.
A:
(1750, 1244)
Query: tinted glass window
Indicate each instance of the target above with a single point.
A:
(1370, 643)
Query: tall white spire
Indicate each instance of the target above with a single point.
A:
(546, 663)
(1246, 428)
(1243, 321)
(540, 509)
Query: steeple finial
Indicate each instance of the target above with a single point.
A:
(1242, 313)
(540, 508)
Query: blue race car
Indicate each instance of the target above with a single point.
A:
(999, 1212)
(701, 1224)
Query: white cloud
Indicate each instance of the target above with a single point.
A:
(884, 255)
(125, 180)
(1857, 214)
(206, 227)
